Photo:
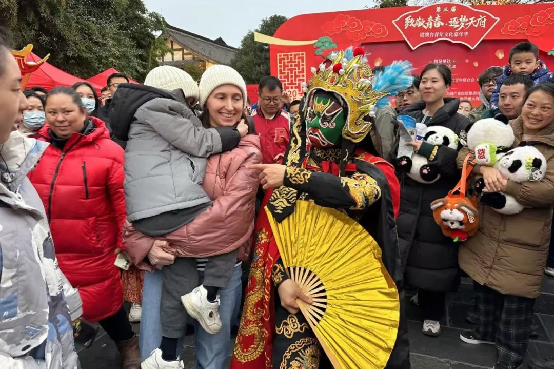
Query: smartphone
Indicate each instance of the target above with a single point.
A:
(123, 261)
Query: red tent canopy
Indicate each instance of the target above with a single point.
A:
(101, 78)
(49, 76)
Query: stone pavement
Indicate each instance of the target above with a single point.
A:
(444, 352)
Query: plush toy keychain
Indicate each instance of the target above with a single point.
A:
(456, 214)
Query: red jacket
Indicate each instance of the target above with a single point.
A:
(82, 191)
(274, 135)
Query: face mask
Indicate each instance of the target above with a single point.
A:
(34, 120)
(89, 104)
(325, 120)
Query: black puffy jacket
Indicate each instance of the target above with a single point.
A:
(431, 259)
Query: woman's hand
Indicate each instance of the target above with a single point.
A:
(493, 179)
(272, 175)
(242, 128)
(416, 144)
(289, 292)
(158, 257)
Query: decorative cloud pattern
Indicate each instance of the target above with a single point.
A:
(356, 29)
(530, 25)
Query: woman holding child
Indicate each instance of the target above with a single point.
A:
(506, 257)
(217, 231)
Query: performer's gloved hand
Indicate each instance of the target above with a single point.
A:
(289, 292)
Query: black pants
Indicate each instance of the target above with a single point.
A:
(505, 320)
(431, 304)
(118, 326)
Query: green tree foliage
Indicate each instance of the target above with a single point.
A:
(85, 37)
(194, 70)
(324, 43)
(391, 3)
(252, 58)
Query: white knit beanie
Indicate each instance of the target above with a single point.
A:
(219, 75)
(172, 78)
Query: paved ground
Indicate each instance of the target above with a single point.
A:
(444, 352)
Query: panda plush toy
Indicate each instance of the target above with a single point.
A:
(524, 163)
(419, 168)
(489, 137)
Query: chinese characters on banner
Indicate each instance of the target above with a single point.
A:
(456, 23)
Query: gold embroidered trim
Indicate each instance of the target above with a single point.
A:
(298, 176)
(308, 354)
(277, 273)
(290, 326)
(282, 198)
(252, 320)
(434, 153)
(330, 154)
(362, 188)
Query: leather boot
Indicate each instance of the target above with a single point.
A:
(130, 353)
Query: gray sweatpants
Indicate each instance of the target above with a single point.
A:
(181, 278)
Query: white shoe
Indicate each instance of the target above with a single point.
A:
(199, 308)
(431, 328)
(549, 271)
(135, 313)
(155, 361)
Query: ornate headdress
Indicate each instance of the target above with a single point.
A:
(346, 74)
(25, 66)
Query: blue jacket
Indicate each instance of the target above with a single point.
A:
(541, 74)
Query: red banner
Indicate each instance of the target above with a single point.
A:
(468, 39)
(459, 24)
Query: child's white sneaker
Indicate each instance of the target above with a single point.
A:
(135, 313)
(199, 308)
(155, 361)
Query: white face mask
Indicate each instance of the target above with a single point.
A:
(89, 104)
(34, 120)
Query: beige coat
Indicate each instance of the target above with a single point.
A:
(509, 253)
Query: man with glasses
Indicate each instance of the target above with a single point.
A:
(487, 84)
(407, 97)
(113, 82)
(272, 123)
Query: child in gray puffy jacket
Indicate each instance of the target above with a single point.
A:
(165, 162)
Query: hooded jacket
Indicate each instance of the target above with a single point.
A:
(540, 75)
(35, 329)
(81, 187)
(165, 157)
(227, 224)
(508, 253)
(431, 258)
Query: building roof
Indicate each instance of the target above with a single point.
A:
(215, 50)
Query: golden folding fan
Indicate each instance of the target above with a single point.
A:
(355, 310)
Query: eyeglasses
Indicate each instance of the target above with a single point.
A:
(489, 81)
(116, 85)
(275, 100)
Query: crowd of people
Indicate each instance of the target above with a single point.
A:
(173, 177)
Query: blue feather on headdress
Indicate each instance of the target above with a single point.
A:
(349, 53)
(395, 78)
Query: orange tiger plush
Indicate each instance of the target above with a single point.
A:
(457, 217)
